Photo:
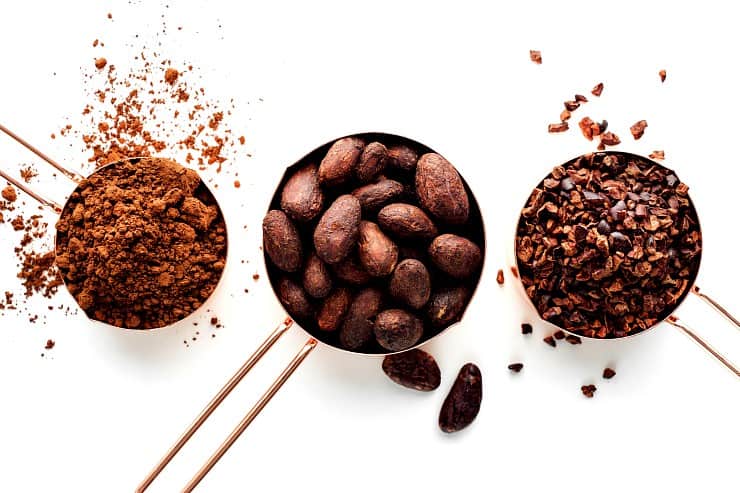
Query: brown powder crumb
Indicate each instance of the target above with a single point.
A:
(95, 43)
(171, 75)
(662, 75)
(18, 223)
(535, 56)
(610, 139)
(242, 140)
(214, 320)
(100, 63)
(549, 340)
(28, 173)
(638, 129)
(598, 89)
(657, 155)
(9, 193)
(237, 184)
(500, 277)
(110, 16)
(39, 274)
(608, 373)
(49, 344)
(256, 277)
(557, 127)
(526, 328)
(588, 390)
(516, 367)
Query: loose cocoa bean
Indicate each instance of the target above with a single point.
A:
(414, 369)
(336, 167)
(406, 221)
(302, 198)
(357, 330)
(375, 195)
(396, 329)
(316, 277)
(377, 253)
(337, 231)
(334, 309)
(402, 157)
(455, 255)
(351, 271)
(440, 189)
(281, 241)
(463, 402)
(371, 163)
(446, 305)
(295, 300)
(410, 283)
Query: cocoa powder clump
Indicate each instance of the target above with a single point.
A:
(141, 244)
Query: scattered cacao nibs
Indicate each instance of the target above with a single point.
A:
(500, 277)
(608, 373)
(559, 335)
(535, 56)
(550, 340)
(516, 367)
(580, 98)
(588, 390)
(564, 115)
(49, 344)
(597, 90)
(100, 63)
(610, 139)
(255, 277)
(526, 328)
(462, 404)
(571, 105)
(414, 369)
(573, 339)
(662, 74)
(657, 155)
(557, 127)
(638, 129)
(589, 129)
(610, 250)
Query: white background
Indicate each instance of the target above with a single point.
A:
(100, 408)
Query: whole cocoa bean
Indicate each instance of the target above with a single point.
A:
(440, 189)
(336, 167)
(414, 369)
(463, 402)
(371, 163)
(410, 283)
(377, 253)
(281, 241)
(295, 300)
(446, 305)
(302, 198)
(406, 221)
(402, 157)
(337, 231)
(455, 255)
(375, 195)
(357, 329)
(334, 309)
(397, 329)
(351, 271)
(316, 277)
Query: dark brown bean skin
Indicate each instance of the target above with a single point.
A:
(440, 189)
(281, 241)
(357, 329)
(294, 299)
(371, 163)
(410, 283)
(463, 402)
(455, 255)
(375, 195)
(402, 157)
(378, 254)
(446, 305)
(302, 198)
(334, 309)
(336, 167)
(396, 329)
(316, 277)
(351, 271)
(337, 231)
(414, 369)
(406, 221)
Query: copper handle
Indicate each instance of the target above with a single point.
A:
(215, 402)
(72, 175)
(249, 417)
(708, 300)
(701, 342)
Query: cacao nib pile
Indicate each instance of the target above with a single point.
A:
(141, 244)
(373, 243)
(608, 244)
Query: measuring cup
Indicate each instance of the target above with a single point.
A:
(668, 316)
(475, 220)
(202, 190)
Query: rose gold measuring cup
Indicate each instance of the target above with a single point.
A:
(311, 342)
(77, 178)
(667, 317)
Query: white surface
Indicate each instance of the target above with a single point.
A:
(99, 410)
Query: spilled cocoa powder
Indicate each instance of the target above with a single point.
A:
(141, 244)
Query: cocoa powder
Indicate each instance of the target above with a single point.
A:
(141, 244)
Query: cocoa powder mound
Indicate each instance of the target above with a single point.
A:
(141, 244)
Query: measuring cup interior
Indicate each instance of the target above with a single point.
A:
(473, 230)
(522, 270)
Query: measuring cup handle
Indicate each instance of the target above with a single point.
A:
(708, 300)
(215, 402)
(249, 417)
(701, 342)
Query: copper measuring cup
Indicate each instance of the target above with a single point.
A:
(668, 317)
(77, 178)
(308, 346)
